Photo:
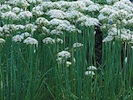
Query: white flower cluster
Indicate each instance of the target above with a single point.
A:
(30, 27)
(21, 37)
(42, 21)
(63, 55)
(53, 13)
(17, 10)
(93, 8)
(35, 1)
(25, 15)
(8, 28)
(62, 25)
(2, 41)
(37, 11)
(56, 32)
(5, 8)
(119, 11)
(90, 70)
(118, 20)
(124, 35)
(25, 35)
(19, 27)
(72, 15)
(49, 40)
(17, 38)
(86, 21)
(77, 45)
(11, 16)
(20, 3)
(30, 41)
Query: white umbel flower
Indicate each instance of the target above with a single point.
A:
(25, 15)
(56, 14)
(16, 10)
(73, 15)
(77, 45)
(2, 41)
(19, 27)
(56, 32)
(91, 68)
(26, 34)
(130, 23)
(35, 1)
(17, 38)
(9, 16)
(5, 8)
(30, 41)
(20, 3)
(42, 21)
(56, 22)
(64, 55)
(107, 10)
(37, 11)
(91, 73)
(93, 8)
(87, 2)
(87, 21)
(30, 27)
(48, 40)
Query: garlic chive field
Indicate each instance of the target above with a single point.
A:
(66, 50)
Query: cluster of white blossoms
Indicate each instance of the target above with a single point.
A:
(2, 41)
(5, 8)
(63, 55)
(54, 19)
(25, 15)
(54, 13)
(17, 10)
(20, 3)
(46, 17)
(9, 16)
(17, 38)
(21, 37)
(117, 20)
(30, 41)
(49, 40)
(42, 21)
(86, 21)
(77, 45)
(30, 27)
(90, 70)
(37, 11)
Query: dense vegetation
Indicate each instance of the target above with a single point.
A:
(66, 50)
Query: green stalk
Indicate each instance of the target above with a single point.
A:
(30, 86)
(1, 78)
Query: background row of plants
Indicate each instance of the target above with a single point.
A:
(52, 50)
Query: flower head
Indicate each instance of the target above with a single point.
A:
(2, 41)
(64, 55)
(48, 40)
(17, 38)
(30, 41)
